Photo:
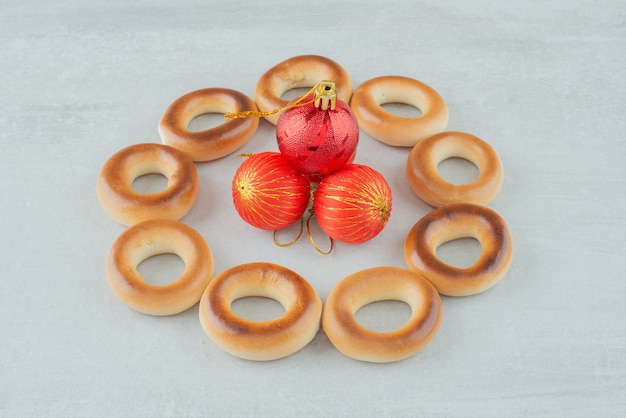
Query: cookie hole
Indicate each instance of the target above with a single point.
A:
(293, 94)
(384, 315)
(257, 308)
(205, 122)
(150, 183)
(461, 253)
(458, 171)
(161, 269)
(402, 109)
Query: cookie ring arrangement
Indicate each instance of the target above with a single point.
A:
(317, 136)
(213, 143)
(254, 340)
(397, 130)
(125, 205)
(146, 239)
(373, 285)
(431, 187)
(460, 220)
(298, 72)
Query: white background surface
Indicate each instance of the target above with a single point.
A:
(541, 81)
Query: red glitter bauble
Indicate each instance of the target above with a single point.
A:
(268, 192)
(315, 141)
(353, 204)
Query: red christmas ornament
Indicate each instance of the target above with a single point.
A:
(320, 137)
(353, 204)
(268, 192)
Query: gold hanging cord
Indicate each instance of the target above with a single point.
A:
(293, 241)
(325, 97)
(308, 230)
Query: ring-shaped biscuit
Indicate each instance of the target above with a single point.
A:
(298, 72)
(214, 143)
(373, 285)
(450, 222)
(392, 129)
(127, 206)
(426, 181)
(260, 340)
(146, 239)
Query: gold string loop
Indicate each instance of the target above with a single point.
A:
(308, 229)
(293, 241)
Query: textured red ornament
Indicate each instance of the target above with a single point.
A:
(268, 192)
(315, 141)
(353, 204)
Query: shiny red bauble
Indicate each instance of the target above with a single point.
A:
(353, 204)
(268, 192)
(318, 142)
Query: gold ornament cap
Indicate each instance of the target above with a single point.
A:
(325, 95)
